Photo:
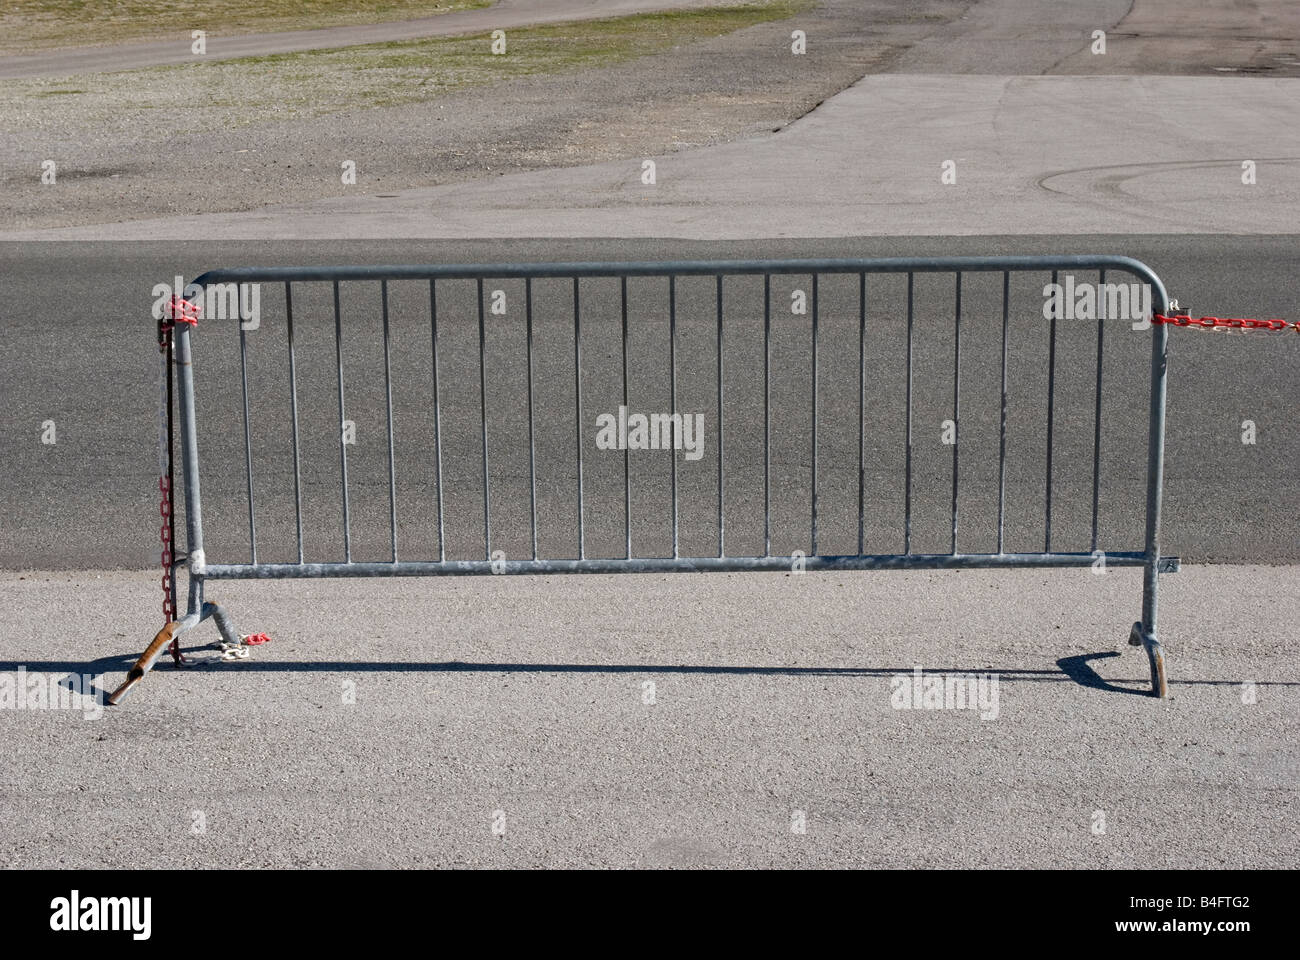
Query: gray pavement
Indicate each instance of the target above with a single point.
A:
(520, 702)
(870, 161)
(89, 499)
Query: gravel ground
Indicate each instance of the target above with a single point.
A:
(137, 149)
(521, 703)
(224, 137)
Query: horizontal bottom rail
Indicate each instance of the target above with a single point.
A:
(452, 568)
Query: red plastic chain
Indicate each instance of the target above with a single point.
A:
(180, 310)
(1227, 323)
(255, 640)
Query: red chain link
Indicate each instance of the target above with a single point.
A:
(180, 310)
(1227, 323)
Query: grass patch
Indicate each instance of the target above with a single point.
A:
(226, 94)
(390, 74)
(47, 24)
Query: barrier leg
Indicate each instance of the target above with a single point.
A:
(145, 663)
(1156, 658)
(169, 635)
(1140, 637)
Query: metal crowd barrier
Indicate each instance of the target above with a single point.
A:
(1144, 553)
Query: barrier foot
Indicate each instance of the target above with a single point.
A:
(145, 663)
(168, 636)
(1140, 637)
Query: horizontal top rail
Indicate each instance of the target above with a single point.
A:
(684, 268)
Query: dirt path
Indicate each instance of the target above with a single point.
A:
(134, 150)
(224, 139)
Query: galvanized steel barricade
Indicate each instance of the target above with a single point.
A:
(1143, 551)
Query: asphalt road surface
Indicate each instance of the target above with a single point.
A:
(79, 352)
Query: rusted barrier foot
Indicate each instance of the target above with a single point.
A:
(145, 663)
(1139, 637)
(166, 636)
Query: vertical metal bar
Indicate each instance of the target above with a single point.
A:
(248, 442)
(956, 407)
(767, 420)
(1155, 460)
(627, 469)
(1051, 417)
(672, 386)
(577, 400)
(813, 551)
(532, 448)
(862, 406)
(343, 447)
(437, 417)
(482, 410)
(293, 411)
(1096, 422)
(190, 466)
(1155, 490)
(722, 543)
(388, 401)
(907, 469)
(1002, 417)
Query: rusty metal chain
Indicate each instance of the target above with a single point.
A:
(164, 473)
(178, 310)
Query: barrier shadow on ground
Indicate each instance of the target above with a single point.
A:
(1075, 669)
